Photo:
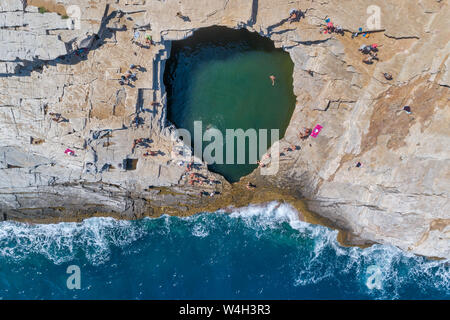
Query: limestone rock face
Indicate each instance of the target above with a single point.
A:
(27, 35)
(54, 97)
(12, 5)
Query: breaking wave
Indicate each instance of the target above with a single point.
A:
(253, 252)
(61, 242)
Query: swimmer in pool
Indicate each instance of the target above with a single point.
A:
(272, 77)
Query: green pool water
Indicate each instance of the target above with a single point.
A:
(220, 77)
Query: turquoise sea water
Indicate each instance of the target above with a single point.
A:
(252, 253)
(220, 76)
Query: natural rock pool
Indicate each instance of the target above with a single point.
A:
(221, 77)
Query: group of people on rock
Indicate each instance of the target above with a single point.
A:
(211, 194)
(370, 51)
(331, 28)
(363, 34)
(148, 40)
(290, 148)
(198, 178)
(140, 142)
(129, 76)
(144, 142)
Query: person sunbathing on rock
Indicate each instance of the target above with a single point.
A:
(250, 186)
(260, 164)
(306, 133)
(137, 142)
(387, 76)
(407, 109)
(290, 148)
(374, 47)
(125, 79)
(368, 60)
(339, 30)
(365, 49)
(374, 56)
(150, 153)
(293, 16)
(286, 149)
(183, 17)
(329, 28)
(57, 117)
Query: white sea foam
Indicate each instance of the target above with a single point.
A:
(320, 257)
(200, 230)
(381, 269)
(270, 216)
(60, 242)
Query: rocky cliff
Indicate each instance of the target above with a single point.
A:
(60, 67)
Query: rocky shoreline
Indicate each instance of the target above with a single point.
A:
(398, 196)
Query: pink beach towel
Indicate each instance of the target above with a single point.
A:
(316, 131)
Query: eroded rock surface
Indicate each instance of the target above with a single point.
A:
(398, 196)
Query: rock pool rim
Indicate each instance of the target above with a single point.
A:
(232, 48)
